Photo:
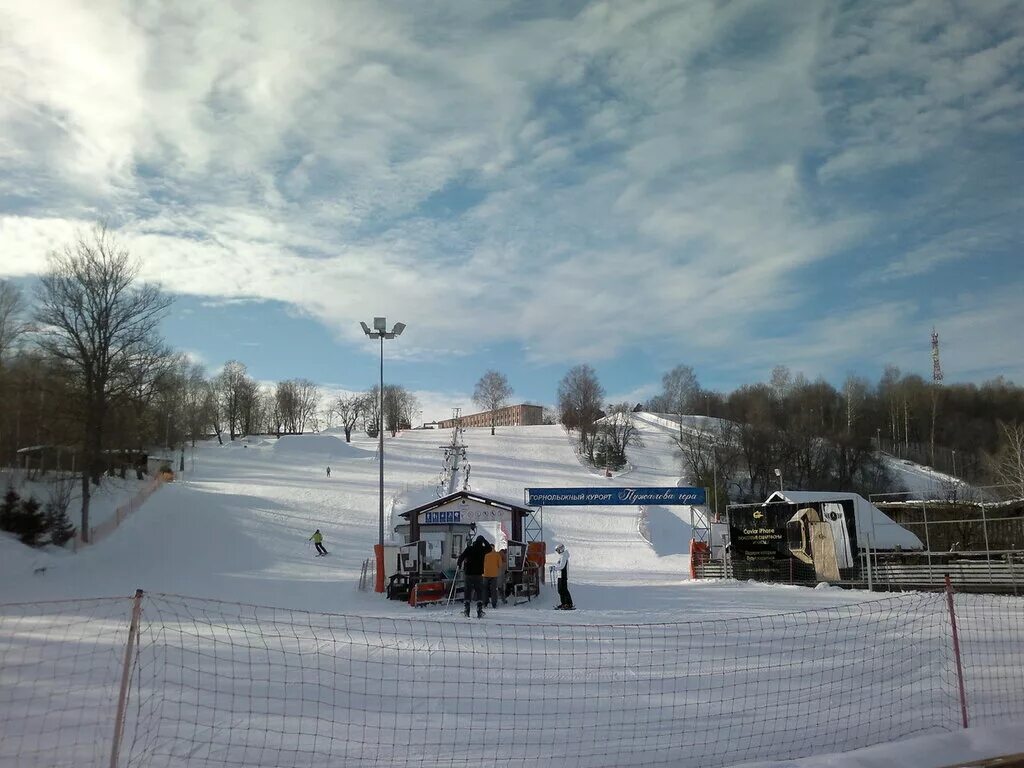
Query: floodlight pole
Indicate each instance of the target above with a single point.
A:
(380, 437)
(380, 331)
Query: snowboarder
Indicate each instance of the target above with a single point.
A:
(472, 562)
(563, 579)
(328, 471)
(318, 540)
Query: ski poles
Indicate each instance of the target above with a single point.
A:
(451, 592)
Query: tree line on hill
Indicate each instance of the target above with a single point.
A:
(815, 435)
(83, 368)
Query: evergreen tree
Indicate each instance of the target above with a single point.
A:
(30, 523)
(9, 509)
(58, 526)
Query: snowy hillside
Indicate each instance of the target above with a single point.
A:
(237, 528)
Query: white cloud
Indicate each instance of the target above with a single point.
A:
(575, 185)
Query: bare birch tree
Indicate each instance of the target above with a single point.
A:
(1007, 465)
(12, 311)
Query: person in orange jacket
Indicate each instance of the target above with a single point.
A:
(492, 569)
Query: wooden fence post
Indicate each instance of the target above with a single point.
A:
(956, 652)
(126, 673)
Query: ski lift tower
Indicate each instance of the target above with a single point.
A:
(453, 452)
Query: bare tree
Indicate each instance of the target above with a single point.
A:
(400, 408)
(199, 404)
(286, 407)
(617, 431)
(492, 392)
(855, 392)
(680, 392)
(12, 310)
(349, 409)
(1007, 465)
(95, 318)
(250, 407)
(307, 401)
(710, 455)
(371, 413)
(580, 395)
(231, 385)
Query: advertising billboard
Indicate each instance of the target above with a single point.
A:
(759, 531)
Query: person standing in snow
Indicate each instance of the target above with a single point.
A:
(472, 562)
(318, 540)
(328, 471)
(503, 576)
(563, 579)
(492, 569)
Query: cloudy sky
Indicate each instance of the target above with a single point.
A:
(732, 185)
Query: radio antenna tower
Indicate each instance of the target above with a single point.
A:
(936, 384)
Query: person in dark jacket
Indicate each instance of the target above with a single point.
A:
(472, 562)
(563, 579)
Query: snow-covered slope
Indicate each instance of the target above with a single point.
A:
(237, 528)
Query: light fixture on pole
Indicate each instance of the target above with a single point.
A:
(778, 474)
(380, 331)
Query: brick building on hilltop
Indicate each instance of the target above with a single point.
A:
(522, 415)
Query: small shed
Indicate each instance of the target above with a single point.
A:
(459, 511)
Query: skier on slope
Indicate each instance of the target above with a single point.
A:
(472, 562)
(563, 579)
(318, 540)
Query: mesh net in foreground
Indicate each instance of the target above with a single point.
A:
(221, 684)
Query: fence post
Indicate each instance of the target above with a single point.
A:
(956, 652)
(927, 541)
(867, 558)
(984, 530)
(1013, 576)
(126, 673)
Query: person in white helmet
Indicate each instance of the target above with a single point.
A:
(563, 579)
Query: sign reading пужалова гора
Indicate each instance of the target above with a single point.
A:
(578, 497)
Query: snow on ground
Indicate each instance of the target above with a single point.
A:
(923, 752)
(922, 482)
(103, 500)
(236, 527)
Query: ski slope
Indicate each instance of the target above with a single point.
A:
(236, 528)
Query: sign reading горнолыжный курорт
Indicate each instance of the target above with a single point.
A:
(579, 497)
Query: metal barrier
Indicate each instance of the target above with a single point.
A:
(998, 572)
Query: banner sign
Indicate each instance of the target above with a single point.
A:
(579, 497)
(465, 515)
(442, 517)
